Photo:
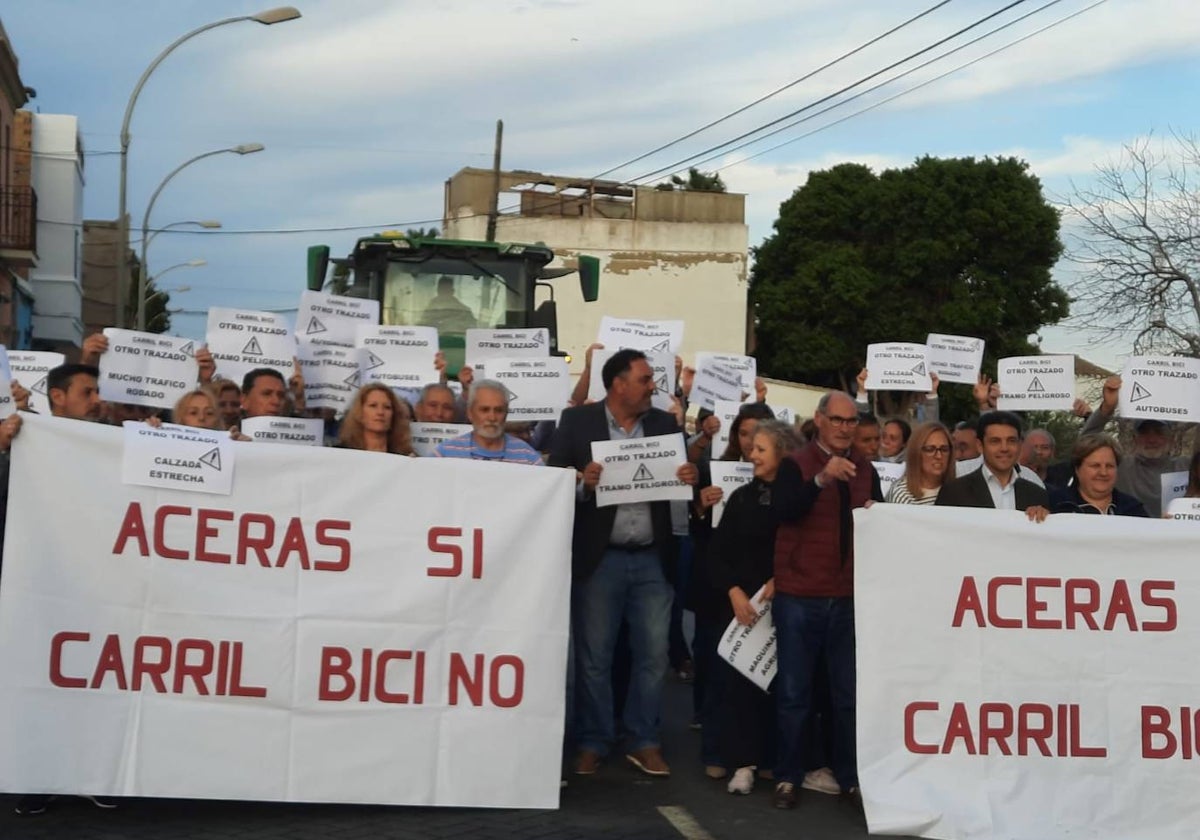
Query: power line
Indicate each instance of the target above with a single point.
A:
(282, 231)
(677, 165)
(778, 90)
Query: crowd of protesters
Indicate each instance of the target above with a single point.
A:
(785, 536)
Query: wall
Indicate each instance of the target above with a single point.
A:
(58, 180)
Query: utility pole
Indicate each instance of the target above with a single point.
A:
(494, 203)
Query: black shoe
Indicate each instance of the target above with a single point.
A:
(785, 796)
(32, 804)
(104, 802)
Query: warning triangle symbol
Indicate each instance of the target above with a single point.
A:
(1139, 393)
(314, 326)
(39, 386)
(539, 337)
(660, 384)
(252, 348)
(373, 361)
(919, 370)
(352, 380)
(212, 458)
(188, 348)
(663, 346)
(643, 474)
(511, 395)
(1036, 387)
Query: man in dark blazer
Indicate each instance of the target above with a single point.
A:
(996, 483)
(622, 560)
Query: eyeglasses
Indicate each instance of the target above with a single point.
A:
(838, 422)
(936, 450)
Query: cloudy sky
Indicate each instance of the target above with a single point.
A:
(367, 106)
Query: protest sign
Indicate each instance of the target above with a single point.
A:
(538, 389)
(751, 649)
(898, 366)
(648, 336)
(729, 476)
(344, 627)
(726, 411)
(1036, 383)
(1038, 689)
(1174, 485)
(714, 382)
(1184, 510)
(662, 366)
(29, 367)
(399, 357)
(954, 358)
(8, 405)
(298, 431)
(177, 458)
(333, 319)
(746, 366)
(427, 436)
(141, 368)
(1163, 388)
(331, 375)
(242, 340)
(640, 470)
(504, 344)
(889, 474)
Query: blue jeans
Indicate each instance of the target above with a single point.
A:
(629, 586)
(804, 628)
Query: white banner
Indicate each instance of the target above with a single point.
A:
(889, 474)
(729, 476)
(662, 365)
(427, 436)
(29, 367)
(399, 357)
(268, 645)
(1174, 485)
(177, 458)
(141, 368)
(8, 405)
(640, 470)
(746, 366)
(954, 358)
(242, 340)
(330, 373)
(1163, 388)
(648, 336)
(751, 649)
(1186, 510)
(504, 344)
(897, 366)
(1038, 689)
(1036, 383)
(298, 431)
(333, 319)
(538, 389)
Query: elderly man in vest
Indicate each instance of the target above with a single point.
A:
(813, 499)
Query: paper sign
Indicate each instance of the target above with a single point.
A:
(747, 366)
(726, 411)
(330, 375)
(1163, 388)
(898, 366)
(298, 431)
(8, 405)
(29, 367)
(400, 357)
(427, 436)
(714, 382)
(242, 340)
(5, 370)
(784, 414)
(538, 389)
(504, 344)
(333, 319)
(1184, 510)
(751, 650)
(649, 336)
(640, 470)
(889, 474)
(954, 358)
(662, 365)
(175, 457)
(1174, 485)
(141, 368)
(729, 476)
(1036, 383)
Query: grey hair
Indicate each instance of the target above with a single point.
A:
(1049, 437)
(781, 434)
(823, 404)
(431, 387)
(487, 385)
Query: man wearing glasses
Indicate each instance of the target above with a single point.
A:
(814, 497)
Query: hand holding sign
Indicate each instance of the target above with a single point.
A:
(1163, 388)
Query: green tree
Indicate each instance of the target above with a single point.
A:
(958, 246)
(696, 180)
(158, 317)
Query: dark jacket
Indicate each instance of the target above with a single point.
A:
(571, 447)
(971, 490)
(742, 551)
(1068, 500)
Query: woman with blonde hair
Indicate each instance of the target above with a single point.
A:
(376, 422)
(197, 408)
(929, 463)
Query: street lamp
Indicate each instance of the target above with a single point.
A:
(269, 17)
(207, 224)
(241, 149)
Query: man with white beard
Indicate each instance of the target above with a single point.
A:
(487, 410)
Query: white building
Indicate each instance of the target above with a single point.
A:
(56, 280)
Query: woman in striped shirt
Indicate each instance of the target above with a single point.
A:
(928, 464)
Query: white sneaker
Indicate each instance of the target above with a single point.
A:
(742, 781)
(822, 781)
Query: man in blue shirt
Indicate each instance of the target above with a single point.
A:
(487, 409)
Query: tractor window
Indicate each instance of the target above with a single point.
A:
(417, 293)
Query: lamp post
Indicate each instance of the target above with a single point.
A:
(196, 263)
(269, 17)
(242, 149)
(207, 224)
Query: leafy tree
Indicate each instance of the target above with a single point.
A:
(960, 246)
(1137, 239)
(696, 180)
(158, 317)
